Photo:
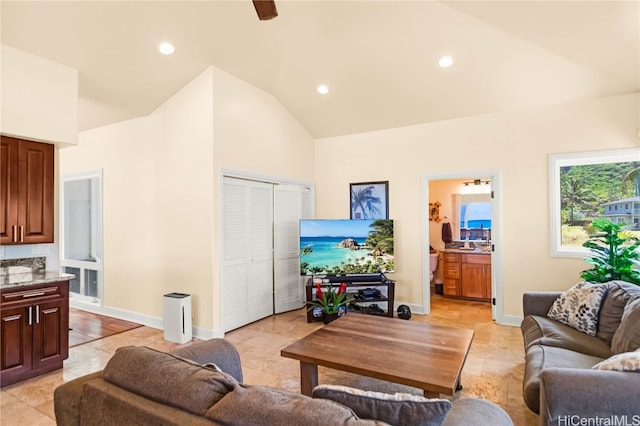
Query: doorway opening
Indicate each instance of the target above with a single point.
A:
(81, 231)
(462, 233)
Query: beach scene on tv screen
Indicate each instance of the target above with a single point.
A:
(336, 247)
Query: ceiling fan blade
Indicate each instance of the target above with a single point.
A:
(266, 9)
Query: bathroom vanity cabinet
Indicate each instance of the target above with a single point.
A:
(467, 275)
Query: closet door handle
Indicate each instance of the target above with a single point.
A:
(22, 233)
(37, 314)
(30, 315)
(14, 230)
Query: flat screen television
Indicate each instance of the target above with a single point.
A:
(345, 246)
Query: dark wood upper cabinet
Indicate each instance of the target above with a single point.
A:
(8, 188)
(26, 192)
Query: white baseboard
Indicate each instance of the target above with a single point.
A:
(147, 320)
(206, 334)
(513, 320)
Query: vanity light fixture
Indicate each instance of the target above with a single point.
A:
(166, 48)
(323, 89)
(445, 61)
(476, 182)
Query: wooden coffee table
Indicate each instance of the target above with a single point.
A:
(425, 356)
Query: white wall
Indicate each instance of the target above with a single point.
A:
(161, 186)
(515, 143)
(125, 154)
(156, 202)
(183, 184)
(253, 132)
(39, 98)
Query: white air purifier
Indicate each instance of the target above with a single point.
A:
(177, 317)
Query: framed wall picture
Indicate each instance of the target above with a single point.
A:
(369, 200)
(434, 211)
(589, 185)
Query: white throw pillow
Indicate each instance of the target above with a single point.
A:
(579, 307)
(627, 361)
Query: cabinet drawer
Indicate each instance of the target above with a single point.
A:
(483, 259)
(451, 270)
(451, 287)
(451, 257)
(30, 294)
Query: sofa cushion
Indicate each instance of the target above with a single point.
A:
(538, 358)
(218, 351)
(262, 405)
(474, 412)
(627, 361)
(579, 307)
(627, 336)
(612, 308)
(167, 379)
(395, 409)
(544, 331)
(105, 404)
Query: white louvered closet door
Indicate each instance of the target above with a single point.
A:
(291, 203)
(247, 259)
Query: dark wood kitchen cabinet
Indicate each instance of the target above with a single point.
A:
(34, 330)
(26, 192)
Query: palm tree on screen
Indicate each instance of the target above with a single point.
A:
(381, 235)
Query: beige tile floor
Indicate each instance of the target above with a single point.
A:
(493, 370)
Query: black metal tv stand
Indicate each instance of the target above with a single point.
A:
(354, 283)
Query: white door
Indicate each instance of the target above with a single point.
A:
(494, 236)
(247, 259)
(291, 203)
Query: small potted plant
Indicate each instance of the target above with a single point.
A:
(332, 302)
(614, 254)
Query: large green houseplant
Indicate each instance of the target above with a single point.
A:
(614, 254)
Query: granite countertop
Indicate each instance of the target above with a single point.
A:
(467, 251)
(32, 278)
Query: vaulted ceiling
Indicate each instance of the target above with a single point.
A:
(378, 58)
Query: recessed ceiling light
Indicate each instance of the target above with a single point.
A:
(445, 61)
(166, 48)
(323, 89)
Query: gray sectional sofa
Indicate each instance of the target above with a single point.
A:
(560, 383)
(201, 384)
